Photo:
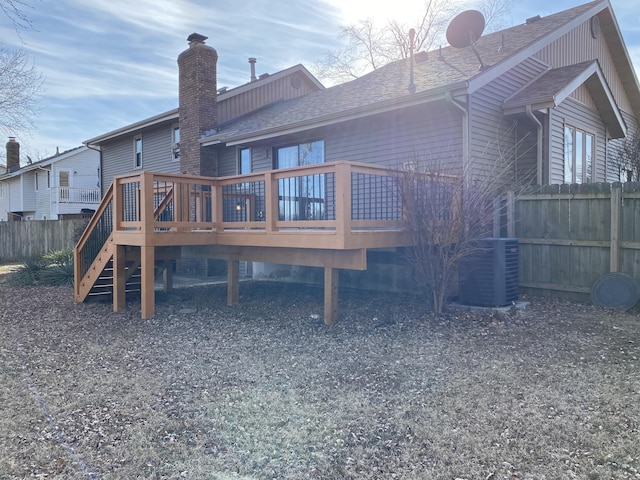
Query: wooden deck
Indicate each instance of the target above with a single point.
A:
(324, 215)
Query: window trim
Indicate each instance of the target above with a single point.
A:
(175, 145)
(137, 138)
(239, 162)
(584, 167)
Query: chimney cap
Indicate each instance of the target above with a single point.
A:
(196, 38)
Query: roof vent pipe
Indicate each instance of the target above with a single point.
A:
(253, 61)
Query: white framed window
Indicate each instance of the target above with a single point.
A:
(579, 155)
(137, 152)
(175, 142)
(37, 181)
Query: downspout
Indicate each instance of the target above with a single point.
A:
(465, 136)
(538, 145)
(100, 182)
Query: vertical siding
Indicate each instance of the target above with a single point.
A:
(578, 46)
(493, 136)
(580, 116)
(290, 86)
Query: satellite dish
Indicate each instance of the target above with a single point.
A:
(465, 29)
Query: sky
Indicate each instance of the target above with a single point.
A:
(108, 63)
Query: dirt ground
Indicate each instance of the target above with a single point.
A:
(265, 390)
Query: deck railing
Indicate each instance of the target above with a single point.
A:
(95, 235)
(338, 196)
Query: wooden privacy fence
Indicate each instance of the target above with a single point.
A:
(570, 235)
(19, 240)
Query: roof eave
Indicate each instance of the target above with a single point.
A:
(381, 107)
(171, 115)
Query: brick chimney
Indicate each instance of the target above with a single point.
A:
(13, 155)
(197, 102)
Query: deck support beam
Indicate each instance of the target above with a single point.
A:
(147, 257)
(119, 278)
(233, 282)
(331, 285)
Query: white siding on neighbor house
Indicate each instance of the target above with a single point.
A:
(15, 195)
(43, 197)
(157, 155)
(493, 136)
(29, 191)
(576, 114)
(578, 46)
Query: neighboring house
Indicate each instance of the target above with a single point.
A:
(548, 101)
(65, 185)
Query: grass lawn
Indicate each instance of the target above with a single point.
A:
(265, 390)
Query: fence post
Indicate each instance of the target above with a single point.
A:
(614, 249)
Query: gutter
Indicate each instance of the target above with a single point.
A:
(465, 136)
(530, 114)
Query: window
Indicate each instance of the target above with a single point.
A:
(301, 198)
(137, 152)
(37, 182)
(244, 161)
(63, 183)
(175, 142)
(579, 149)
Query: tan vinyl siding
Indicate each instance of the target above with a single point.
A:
(580, 116)
(281, 89)
(579, 46)
(493, 136)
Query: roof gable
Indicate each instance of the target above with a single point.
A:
(554, 86)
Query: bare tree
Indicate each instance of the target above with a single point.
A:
(15, 11)
(20, 82)
(627, 160)
(370, 45)
(445, 214)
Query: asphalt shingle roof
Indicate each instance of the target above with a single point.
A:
(390, 83)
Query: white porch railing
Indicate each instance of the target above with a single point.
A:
(76, 195)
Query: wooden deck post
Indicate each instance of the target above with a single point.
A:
(147, 254)
(119, 278)
(330, 295)
(233, 282)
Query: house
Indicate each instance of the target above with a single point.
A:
(65, 185)
(548, 101)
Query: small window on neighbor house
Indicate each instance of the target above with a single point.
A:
(48, 178)
(137, 152)
(37, 183)
(244, 161)
(579, 149)
(175, 142)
